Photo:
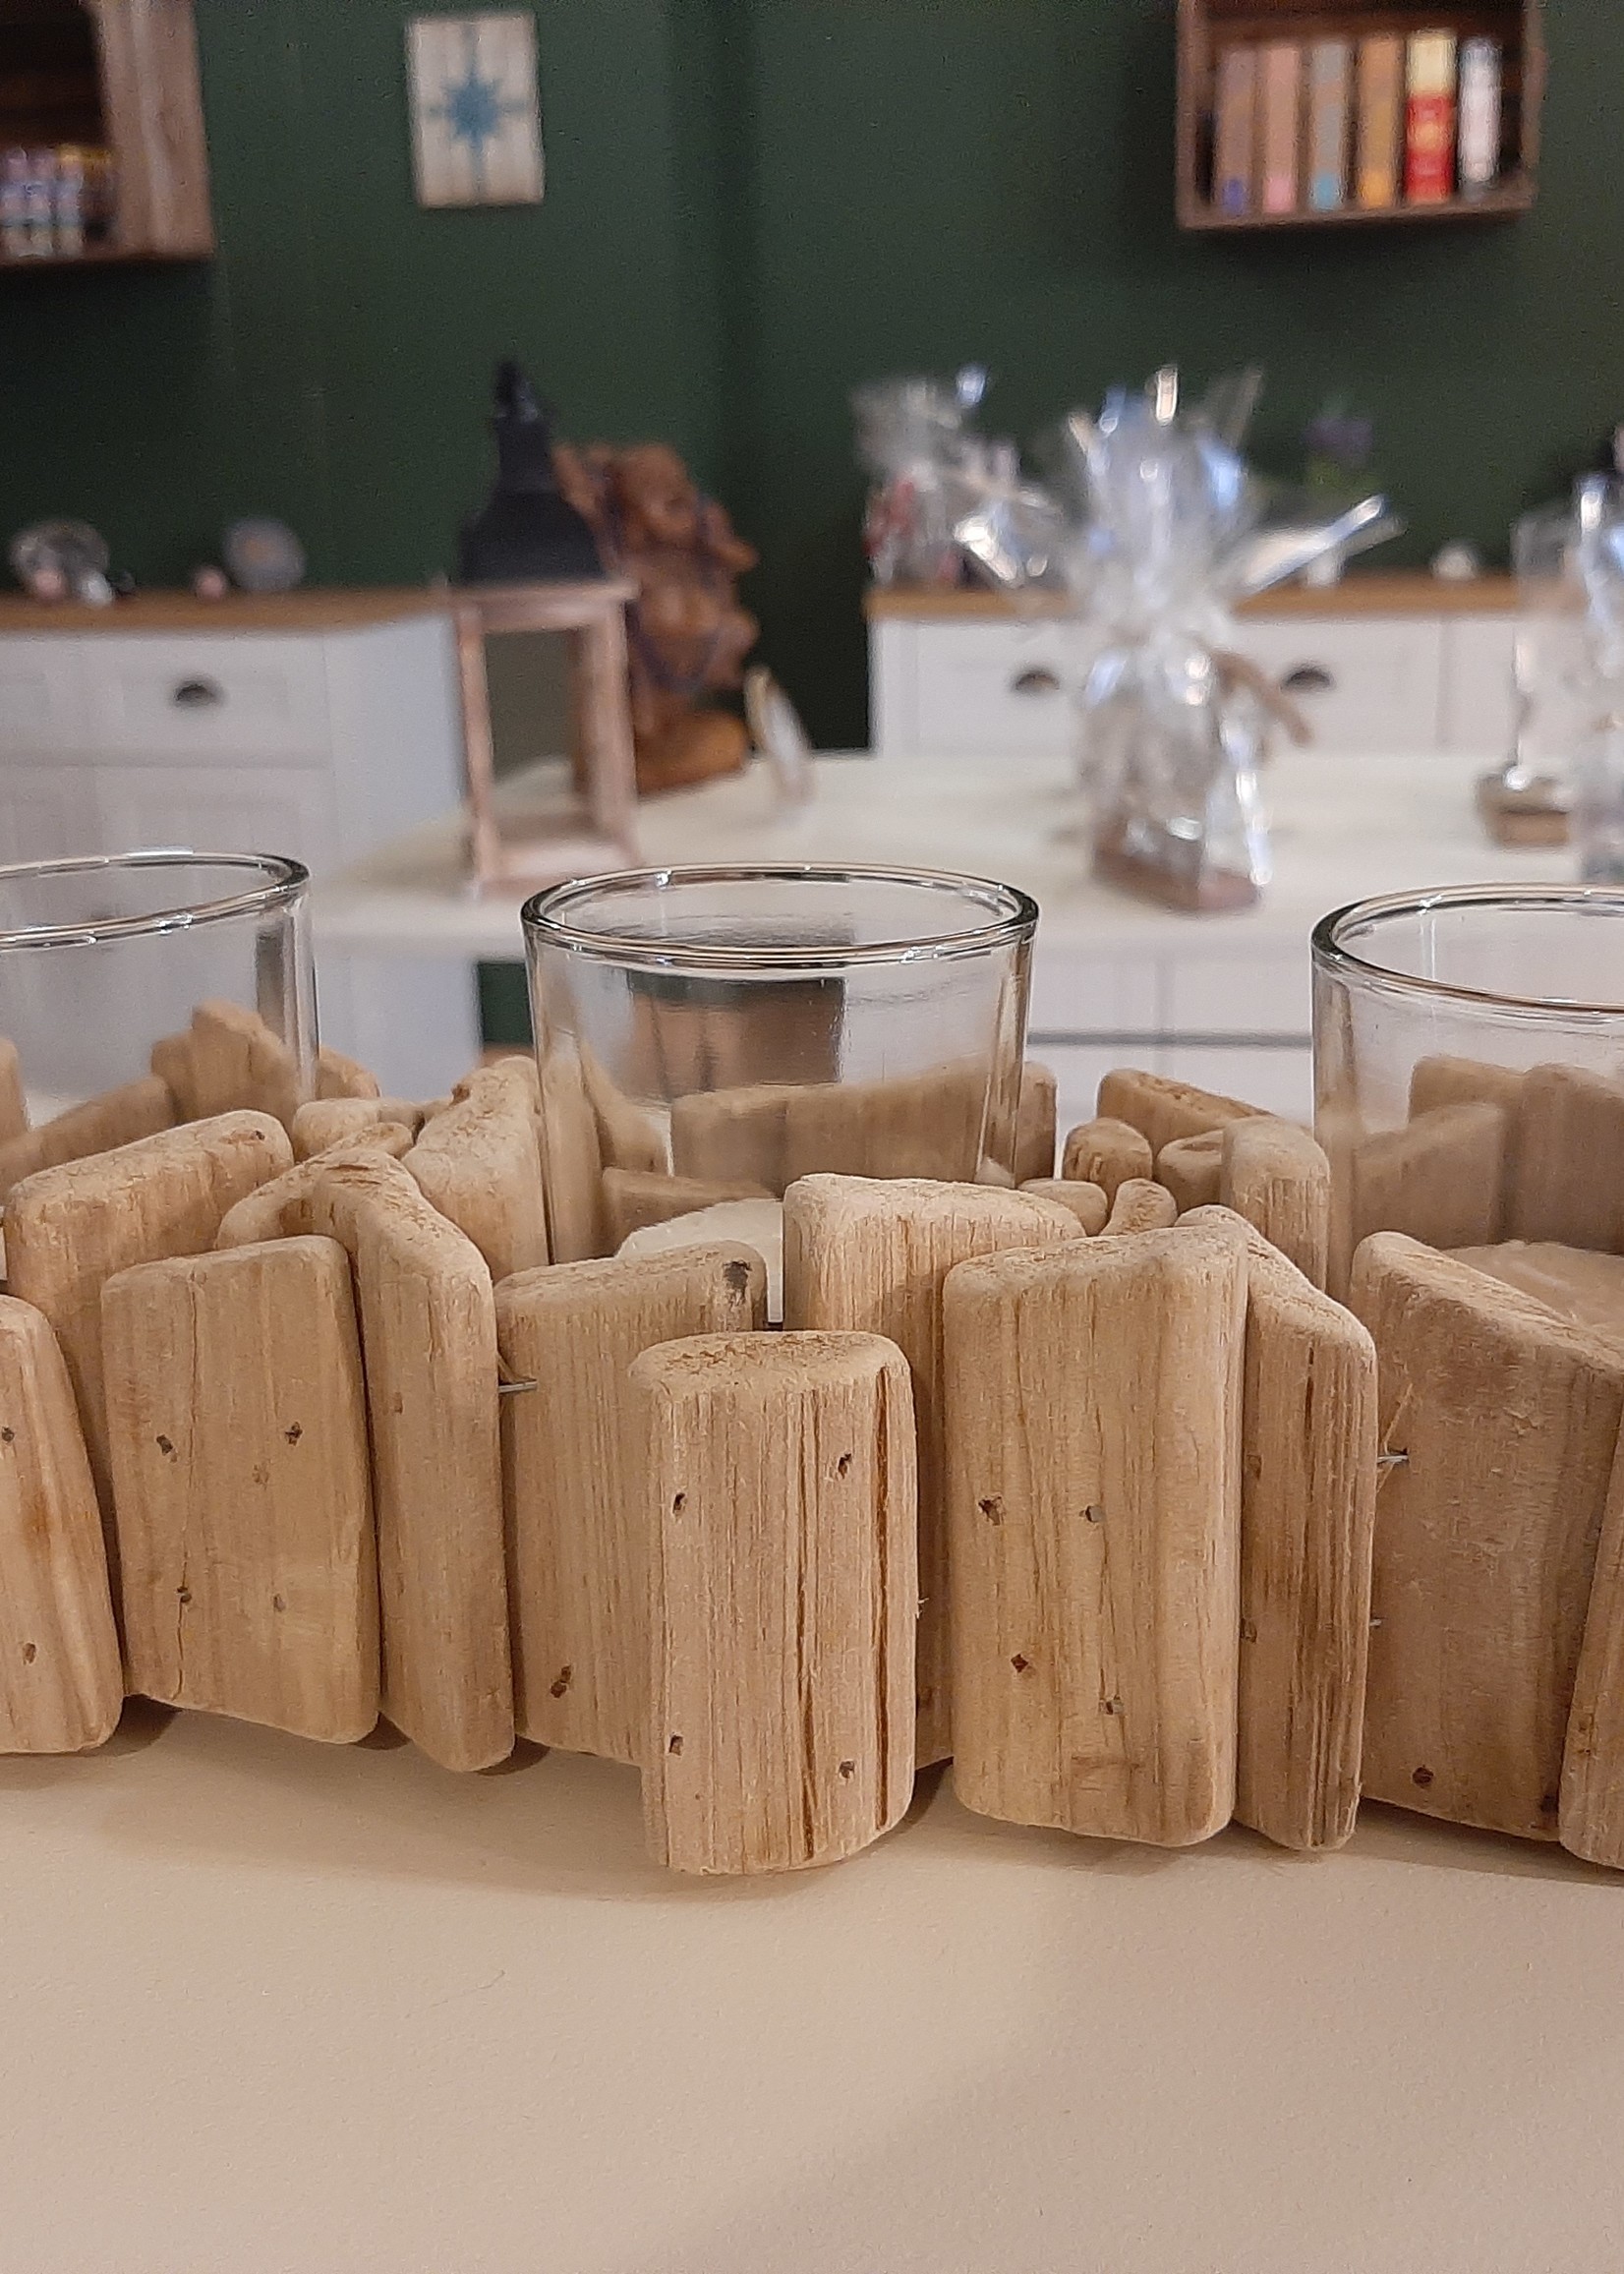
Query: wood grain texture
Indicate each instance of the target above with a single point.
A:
(237, 1422)
(154, 123)
(1568, 1182)
(428, 1347)
(779, 1476)
(1444, 1081)
(925, 1124)
(61, 1684)
(1093, 1441)
(628, 1136)
(1438, 1180)
(117, 1117)
(228, 1061)
(14, 1107)
(1590, 1814)
(578, 1543)
(633, 1200)
(1035, 1123)
(869, 1256)
(1107, 1153)
(1141, 1205)
(339, 1077)
(1307, 1508)
(1274, 1174)
(1190, 1168)
(1085, 1202)
(1485, 1534)
(572, 1162)
(1162, 1109)
(70, 1228)
(339, 1121)
(479, 1162)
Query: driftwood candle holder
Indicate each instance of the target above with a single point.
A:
(1088, 1485)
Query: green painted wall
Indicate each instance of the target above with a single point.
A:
(751, 204)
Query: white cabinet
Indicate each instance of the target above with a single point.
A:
(1367, 684)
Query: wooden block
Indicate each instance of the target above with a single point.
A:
(1440, 1081)
(1590, 1816)
(1141, 1207)
(628, 1137)
(781, 1499)
(14, 1107)
(1485, 1534)
(868, 1256)
(70, 1228)
(1190, 1168)
(1574, 1282)
(1437, 1178)
(137, 1109)
(571, 1162)
(340, 1120)
(1035, 1126)
(1106, 1153)
(1086, 1201)
(1308, 1506)
(927, 1125)
(1163, 1109)
(1568, 1180)
(237, 1422)
(634, 1200)
(228, 1060)
(479, 1165)
(578, 1543)
(428, 1343)
(61, 1685)
(339, 1077)
(733, 1137)
(1093, 1440)
(1275, 1175)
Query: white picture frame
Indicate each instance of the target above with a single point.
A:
(476, 115)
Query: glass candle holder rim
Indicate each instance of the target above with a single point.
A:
(285, 880)
(1331, 954)
(541, 917)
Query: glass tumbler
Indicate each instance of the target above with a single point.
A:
(707, 1034)
(102, 957)
(1469, 1081)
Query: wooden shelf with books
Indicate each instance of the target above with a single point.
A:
(1295, 113)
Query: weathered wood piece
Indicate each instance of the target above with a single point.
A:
(339, 1077)
(1567, 1179)
(1308, 1506)
(237, 1421)
(136, 1109)
(633, 1200)
(1142, 1206)
(1442, 1081)
(1575, 1282)
(228, 1060)
(61, 1684)
(628, 1136)
(1486, 1538)
(1438, 1179)
(926, 1125)
(1093, 1438)
(70, 1228)
(429, 1341)
(871, 1256)
(337, 1121)
(779, 1476)
(1274, 1174)
(1106, 1153)
(733, 1136)
(1164, 1109)
(1086, 1201)
(1590, 1816)
(578, 1540)
(1035, 1123)
(1190, 1168)
(572, 1162)
(14, 1106)
(479, 1165)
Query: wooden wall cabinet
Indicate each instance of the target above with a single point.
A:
(122, 75)
(1208, 26)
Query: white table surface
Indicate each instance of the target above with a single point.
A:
(274, 2008)
(1344, 828)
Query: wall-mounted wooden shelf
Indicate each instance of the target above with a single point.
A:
(1207, 28)
(120, 75)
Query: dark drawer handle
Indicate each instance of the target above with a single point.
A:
(198, 695)
(1308, 679)
(1035, 682)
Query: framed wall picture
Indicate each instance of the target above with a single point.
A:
(475, 120)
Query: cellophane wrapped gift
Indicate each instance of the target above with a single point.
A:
(916, 443)
(1155, 527)
(1597, 808)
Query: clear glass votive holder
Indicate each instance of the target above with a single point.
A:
(1468, 1080)
(707, 1034)
(102, 957)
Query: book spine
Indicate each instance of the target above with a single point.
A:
(1480, 130)
(1234, 141)
(1429, 119)
(1381, 69)
(1282, 75)
(1329, 64)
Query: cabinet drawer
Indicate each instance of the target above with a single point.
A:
(1369, 685)
(1240, 994)
(228, 809)
(1479, 700)
(42, 706)
(46, 813)
(987, 688)
(1085, 996)
(194, 701)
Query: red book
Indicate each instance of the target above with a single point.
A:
(1429, 119)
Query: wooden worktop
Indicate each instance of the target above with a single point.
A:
(314, 608)
(1372, 592)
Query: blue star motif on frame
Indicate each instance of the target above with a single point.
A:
(474, 107)
(476, 129)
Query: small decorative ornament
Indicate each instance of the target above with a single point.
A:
(475, 120)
(61, 561)
(262, 556)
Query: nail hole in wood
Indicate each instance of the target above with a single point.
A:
(842, 1467)
(278, 1602)
(737, 1276)
(993, 1509)
(294, 1433)
(676, 1745)
(1095, 1513)
(164, 1446)
(1422, 1778)
(1249, 1631)
(1019, 1662)
(679, 1504)
(8, 1436)
(1113, 1705)
(848, 1769)
(29, 1653)
(182, 1594)
(557, 1687)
